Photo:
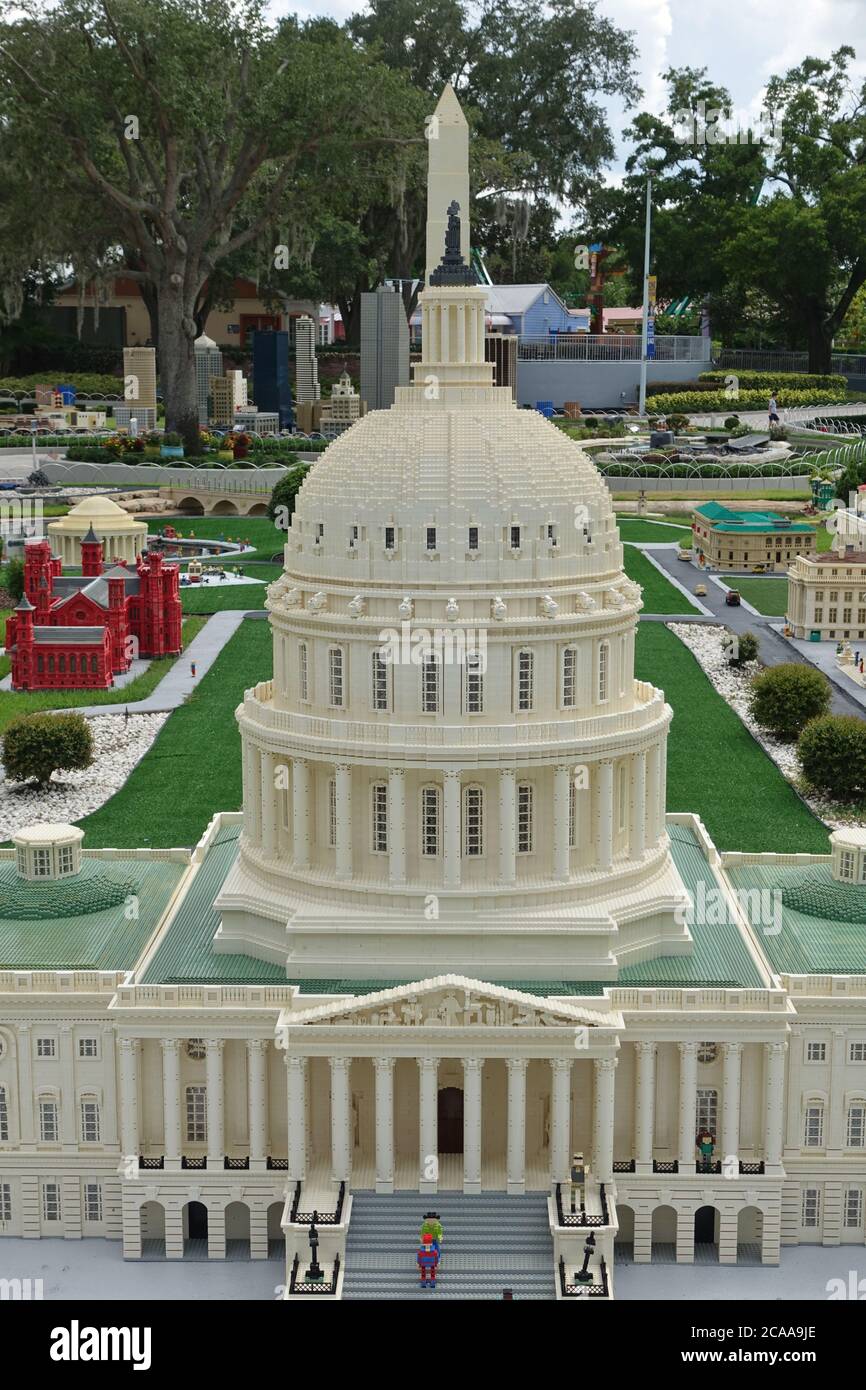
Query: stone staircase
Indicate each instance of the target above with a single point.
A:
(491, 1242)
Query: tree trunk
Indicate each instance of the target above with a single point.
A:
(819, 340)
(177, 365)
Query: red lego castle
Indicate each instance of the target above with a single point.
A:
(76, 632)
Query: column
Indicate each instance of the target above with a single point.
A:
(110, 1107)
(216, 1146)
(732, 1057)
(68, 1106)
(561, 867)
(296, 1076)
(644, 1105)
(835, 1138)
(129, 1140)
(254, 806)
(396, 826)
(25, 1086)
(602, 1144)
(257, 1102)
(775, 1108)
(341, 1119)
(516, 1146)
(507, 825)
(653, 768)
(604, 773)
(428, 1101)
(384, 1067)
(343, 777)
(269, 805)
(472, 1067)
(301, 812)
(452, 829)
(171, 1101)
(560, 1119)
(638, 822)
(688, 1105)
(663, 777)
(444, 335)
(461, 333)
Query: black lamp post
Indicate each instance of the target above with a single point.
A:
(583, 1275)
(315, 1274)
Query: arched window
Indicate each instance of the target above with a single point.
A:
(473, 822)
(4, 1115)
(856, 1124)
(196, 1114)
(94, 664)
(430, 821)
(303, 689)
(603, 671)
(569, 678)
(379, 817)
(73, 663)
(50, 665)
(49, 1129)
(335, 677)
(89, 1120)
(524, 694)
(431, 683)
(61, 664)
(379, 676)
(525, 818)
(473, 684)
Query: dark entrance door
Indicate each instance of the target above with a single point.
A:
(197, 1221)
(705, 1226)
(450, 1110)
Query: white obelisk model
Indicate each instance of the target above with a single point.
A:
(447, 176)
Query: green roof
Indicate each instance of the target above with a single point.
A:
(100, 940)
(726, 519)
(821, 932)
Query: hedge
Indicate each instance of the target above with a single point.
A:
(640, 469)
(769, 381)
(707, 402)
(85, 383)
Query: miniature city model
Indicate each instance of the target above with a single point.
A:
(452, 944)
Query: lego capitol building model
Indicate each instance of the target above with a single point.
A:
(452, 939)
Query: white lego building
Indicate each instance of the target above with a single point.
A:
(453, 938)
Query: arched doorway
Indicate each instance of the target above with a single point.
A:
(450, 1120)
(152, 1218)
(750, 1236)
(224, 508)
(624, 1239)
(195, 1230)
(276, 1239)
(706, 1235)
(190, 506)
(237, 1231)
(664, 1236)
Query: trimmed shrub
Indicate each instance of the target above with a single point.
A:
(36, 745)
(772, 381)
(743, 648)
(832, 753)
(784, 698)
(13, 578)
(697, 402)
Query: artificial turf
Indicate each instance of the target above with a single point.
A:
(715, 767)
(769, 596)
(234, 596)
(659, 595)
(259, 531)
(652, 532)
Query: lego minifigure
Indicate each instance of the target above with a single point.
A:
(428, 1261)
(578, 1180)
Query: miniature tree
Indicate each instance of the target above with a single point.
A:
(741, 647)
(784, 698)
(37, 745)
(832, 752)
(282, 503)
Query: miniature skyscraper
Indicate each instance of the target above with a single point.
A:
(228, 396)
(306, 371)
(271, 385)
(384, 347)
(208, 364)
(139, 394)
(447, 176)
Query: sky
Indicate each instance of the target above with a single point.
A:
(741, 42)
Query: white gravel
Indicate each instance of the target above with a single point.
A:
(704, 640)
(118, 744)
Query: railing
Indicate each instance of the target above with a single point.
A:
(300, 1286)
(663, 1167)
(277, 1165)
(751, 1169)
(150, 1163)
(624, 1165)
(193, 1163)
(601, 1290)
(581, 1219)
(319, 1218)
(773, 360)
(236, 1164)
(610, 347)
(708, 1165)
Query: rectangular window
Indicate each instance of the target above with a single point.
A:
(569, 678)
(430, 685)
(473, 537)
(603, 665)
(707, 1111)
(846, 868)
(525, 664)
(524, 818)
(380, 818)
(515, 537)
(816, 1052)
(302, 671)
(390, 538)
(853, 1218)
(335, 677)
(551, 533)
(5, 1202)
(819, 595)
(819, 615)
(87, 1047)
(48, 1132)
(857, 1126)
(473, 821)
(196, 1115)
(51, 1201)
(811, 1208)
(846, 615)
(857, 1051)
(430, 821)
(89, 1122)
(832, 615)
(474, 684)
(431, 537)
(64, 859)
(4, 1116)
(42, 863)
(813, 1137)
(380, 682)
(332, 812)
(92, 1201)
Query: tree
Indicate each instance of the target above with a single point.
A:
(742, 647)
(832, 752)
(13, 578)
(37, 745)
(282, 503)
(187, 129)
(784, 698)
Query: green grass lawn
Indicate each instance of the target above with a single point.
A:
(258, 530)
(194, 767)
(233, 596)
(740, 795)
(659, 595)
(769, 596)
(650, 532)
(824, 537)
(17, 702)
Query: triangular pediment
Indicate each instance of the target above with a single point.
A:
(453, 1001)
